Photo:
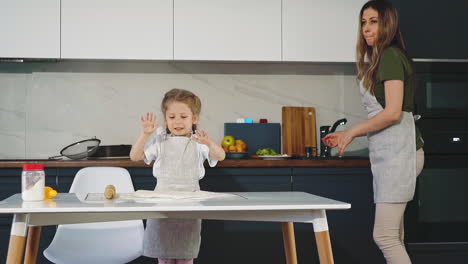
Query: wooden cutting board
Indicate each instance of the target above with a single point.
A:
(299, 130)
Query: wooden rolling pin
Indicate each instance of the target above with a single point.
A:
(110, 192)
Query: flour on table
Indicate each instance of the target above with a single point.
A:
(155, 196)
(198, 195)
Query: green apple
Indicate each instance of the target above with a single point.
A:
(228, 141)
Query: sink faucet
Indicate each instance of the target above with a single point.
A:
(325, 150)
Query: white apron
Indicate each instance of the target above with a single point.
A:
(392, 153)
(175, 238)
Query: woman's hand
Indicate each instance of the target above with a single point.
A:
(340, 139)
(202, 137)
(331, 140)
(148, 123)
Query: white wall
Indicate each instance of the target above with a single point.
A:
(44, 107)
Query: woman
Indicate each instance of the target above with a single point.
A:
(395, 145)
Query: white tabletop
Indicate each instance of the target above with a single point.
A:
(69, 202)
(284, 207)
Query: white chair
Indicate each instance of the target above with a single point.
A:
(105, 242)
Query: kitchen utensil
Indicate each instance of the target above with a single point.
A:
(79, 150)
(109, 192)
(310, 152)
(324, 149)
(299, 129)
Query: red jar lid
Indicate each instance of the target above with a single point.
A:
(33, 166)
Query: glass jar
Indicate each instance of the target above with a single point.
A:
(32, 182)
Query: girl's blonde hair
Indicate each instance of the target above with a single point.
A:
(182, 96)
(389, 35)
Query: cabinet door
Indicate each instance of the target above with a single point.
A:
(247, 180)
(235, 30)
(142, 178)
(117, 29)
(435, 215)
(322, 31)
(437, 30)
(30, 29)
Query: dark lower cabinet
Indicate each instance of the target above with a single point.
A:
(142, 178)
(234, 242)
(350, 230)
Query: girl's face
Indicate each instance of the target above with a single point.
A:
(179, 119)
(370, 25)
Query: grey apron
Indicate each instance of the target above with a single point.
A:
(392, 153)
(175, 238)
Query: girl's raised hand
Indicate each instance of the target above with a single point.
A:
(201, 137)
(148, 123)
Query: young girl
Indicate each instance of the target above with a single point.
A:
(395, 144)
(179, 152)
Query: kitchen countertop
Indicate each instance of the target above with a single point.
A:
(230, 163)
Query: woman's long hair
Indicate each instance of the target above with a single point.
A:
(389, 35)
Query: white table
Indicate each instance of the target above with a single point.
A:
(284, 207)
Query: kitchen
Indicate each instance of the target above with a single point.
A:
(83, 89)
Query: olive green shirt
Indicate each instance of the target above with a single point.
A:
(394, 65)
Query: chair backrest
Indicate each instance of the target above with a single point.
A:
(90, 242)
(95, 179)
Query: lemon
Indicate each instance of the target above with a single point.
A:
(49, 192)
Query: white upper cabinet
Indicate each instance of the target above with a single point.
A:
(231, 30)
(117, 29)
(30, 29)
(320, 30)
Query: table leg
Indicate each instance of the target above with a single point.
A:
(289, 242)
(322, 238)
(32, 245)
(19, 229)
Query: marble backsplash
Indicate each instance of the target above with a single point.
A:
(44, 107)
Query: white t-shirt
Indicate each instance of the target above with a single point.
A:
(153, 148)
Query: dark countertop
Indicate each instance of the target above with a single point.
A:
(230, 163)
